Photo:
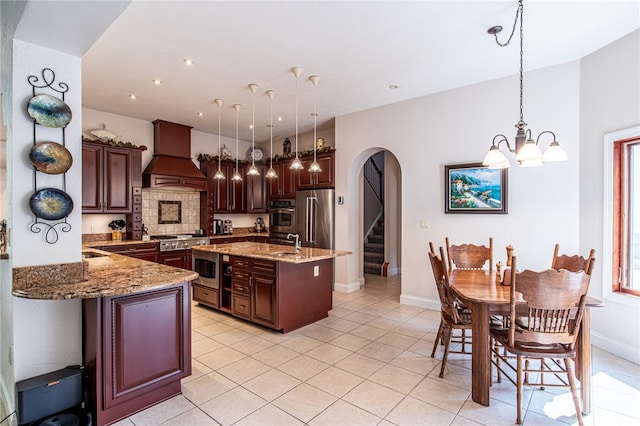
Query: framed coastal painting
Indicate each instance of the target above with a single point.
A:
(474, 188)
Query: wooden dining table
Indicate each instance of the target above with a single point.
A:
(479, 291)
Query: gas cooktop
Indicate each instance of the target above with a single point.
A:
(180, 241)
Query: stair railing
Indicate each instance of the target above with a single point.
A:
(375, 178)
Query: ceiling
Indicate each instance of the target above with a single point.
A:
(358, 49)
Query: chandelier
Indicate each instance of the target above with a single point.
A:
(528, 153)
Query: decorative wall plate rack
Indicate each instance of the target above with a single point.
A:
(50, 206)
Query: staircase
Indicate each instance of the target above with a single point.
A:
(374, 250)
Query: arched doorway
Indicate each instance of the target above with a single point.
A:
(380, 204)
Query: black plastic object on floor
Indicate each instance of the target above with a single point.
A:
(52, 399)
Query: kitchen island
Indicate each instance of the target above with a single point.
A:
(269, 284)
(136, 326)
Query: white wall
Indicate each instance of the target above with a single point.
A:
(610, 102)
(47, 334)
(454, 127)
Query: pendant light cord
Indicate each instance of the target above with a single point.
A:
(519, 14)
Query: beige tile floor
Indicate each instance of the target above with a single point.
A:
(368, 363)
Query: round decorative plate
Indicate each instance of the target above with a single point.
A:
(49, 111)
(255, 154)
(50, 157)
(51, 204)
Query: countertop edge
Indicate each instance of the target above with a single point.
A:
(267, 251)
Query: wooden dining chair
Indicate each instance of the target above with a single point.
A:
(453, 314)
(469, 256)
(573, 263)
(555, 302)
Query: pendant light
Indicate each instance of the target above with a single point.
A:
(253, 170)
(236, 175)
(528, 153)
(315, 167)
(296, 164)
(219, 175)
(271, 173)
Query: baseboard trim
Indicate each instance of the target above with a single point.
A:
(420, 302)
(346, 287)
(616, 347)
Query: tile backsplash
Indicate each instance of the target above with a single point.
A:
(190, 214)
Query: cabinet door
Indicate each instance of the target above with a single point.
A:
(92, 173)
(237, 192)
(117, 180)
(176, 259)
(263, 303)
(289, 180)
(322, 179)
(256, 192)
(139, 328)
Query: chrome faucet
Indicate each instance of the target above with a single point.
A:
(298, 244)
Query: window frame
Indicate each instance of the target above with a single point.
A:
(616, 182)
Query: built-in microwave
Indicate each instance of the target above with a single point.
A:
(282, 217)
(206, 265)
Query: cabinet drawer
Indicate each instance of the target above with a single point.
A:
(205, 295)
(240, 289)
(240, 263)
(137, 208)
(264, 267)
(240, 277)
(240, 306)
(137, 199)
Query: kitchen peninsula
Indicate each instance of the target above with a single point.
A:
(136, 326)
(269, 284)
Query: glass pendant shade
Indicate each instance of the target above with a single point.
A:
(271, 173)
(554, 153)
(495, 159)
(219, 175)
(236, 175)
(296, 164)
(253, 171)
(315, 167)
(530, 152)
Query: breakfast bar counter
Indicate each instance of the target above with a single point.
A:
(278, 252)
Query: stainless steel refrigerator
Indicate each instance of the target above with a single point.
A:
(315, 213)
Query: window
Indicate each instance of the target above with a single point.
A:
(626, 216)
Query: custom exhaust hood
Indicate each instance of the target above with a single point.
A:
(171, 165)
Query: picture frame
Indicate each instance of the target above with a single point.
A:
(169, 212)
(474, 188)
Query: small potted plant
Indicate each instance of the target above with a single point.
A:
(117, 226)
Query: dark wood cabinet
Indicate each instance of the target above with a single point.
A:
(254, 290)
(289, 181)
(229, 196)
(144, 251)
(284, 186)
(108, 177)
(322, 179)
(205, 295)
(257, 191)
(136, 348)
(178, 259)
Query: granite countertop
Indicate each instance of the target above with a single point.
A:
(276, 252)
(105, 243)
(107, 274)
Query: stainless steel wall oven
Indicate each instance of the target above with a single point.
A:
(282, 219)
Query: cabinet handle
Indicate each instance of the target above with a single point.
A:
(240, 288)
(205, 294)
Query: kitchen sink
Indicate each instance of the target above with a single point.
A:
(90, 254)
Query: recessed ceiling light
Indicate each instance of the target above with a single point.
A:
(279, 118)
(132, 97)
(251, 126)
(200, 114)
(157, 82)
(188, 62)
(393, 86)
